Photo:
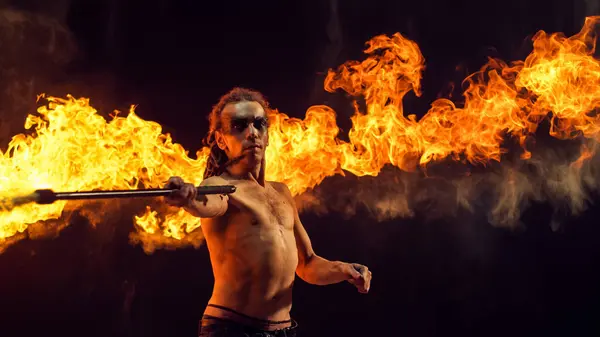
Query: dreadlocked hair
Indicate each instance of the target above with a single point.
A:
(217, 159)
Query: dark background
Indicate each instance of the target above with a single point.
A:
(175, 58)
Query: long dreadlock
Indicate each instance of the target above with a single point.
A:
(217, 160)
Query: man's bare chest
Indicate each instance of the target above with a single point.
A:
(265, 207)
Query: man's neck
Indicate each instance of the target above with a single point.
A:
(243, 172)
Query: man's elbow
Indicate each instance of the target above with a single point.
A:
(309, 272)
(307, 276)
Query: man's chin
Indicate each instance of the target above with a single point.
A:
(252, 158)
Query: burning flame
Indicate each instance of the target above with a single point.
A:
(74, 148)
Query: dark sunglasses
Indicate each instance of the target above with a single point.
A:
(240, 124)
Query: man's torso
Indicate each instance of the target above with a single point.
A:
(253, 251)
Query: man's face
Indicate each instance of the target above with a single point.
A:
(244, 131)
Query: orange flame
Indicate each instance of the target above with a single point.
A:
(74, 148)
(560, 76)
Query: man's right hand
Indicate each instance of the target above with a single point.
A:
(184, 195)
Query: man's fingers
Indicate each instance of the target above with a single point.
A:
(368, 281)
(174, 182)
(362, 279)
(363, 272)
(188, 191)
(183, 193)
(357, 271)
(358, 283)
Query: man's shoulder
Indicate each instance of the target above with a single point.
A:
(279, 186)
(214, 181)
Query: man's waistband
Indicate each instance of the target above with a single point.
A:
(216, 313)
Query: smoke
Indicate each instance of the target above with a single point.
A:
(37, 55)
(35, 50)
(384, 197)
(562, 176)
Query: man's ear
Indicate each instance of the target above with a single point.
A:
(220, 140)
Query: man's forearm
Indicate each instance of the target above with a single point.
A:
(209, 208)
(320, 271)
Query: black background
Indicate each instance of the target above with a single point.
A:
(175, 58)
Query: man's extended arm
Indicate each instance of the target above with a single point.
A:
(314, 269)
(202, 206)
(317, 270)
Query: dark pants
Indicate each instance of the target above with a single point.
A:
(216, 327)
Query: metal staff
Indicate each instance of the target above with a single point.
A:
(46, 196)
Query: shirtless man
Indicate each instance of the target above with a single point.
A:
(254, 236)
